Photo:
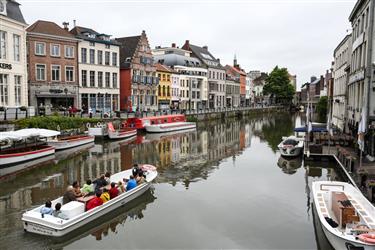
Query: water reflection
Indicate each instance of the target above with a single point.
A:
(289, 165)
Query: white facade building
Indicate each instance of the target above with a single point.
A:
(99, 71)
(13, 58)
(252, 75)
(175, 85)
(340, 74)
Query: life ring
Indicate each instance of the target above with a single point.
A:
(88, 125)
(368, 238)
(148, 167)
(99, 125)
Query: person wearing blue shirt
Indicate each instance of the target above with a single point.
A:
(132, 183)
(47, 209)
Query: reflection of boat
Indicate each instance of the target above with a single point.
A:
(26, 165)
(289, 166)
(169, 127)
(344, 213)
(53, 226)
(64, 154)
(291, 146)
(121, 133)
(322, 242)
(112, 220)
(161, 136)
(67, 142)
(26, 145)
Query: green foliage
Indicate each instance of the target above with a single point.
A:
(53, 122)
(191, 119)
(278, 125)
(322, 108)
(278, 86)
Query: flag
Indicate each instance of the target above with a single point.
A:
(362, 129)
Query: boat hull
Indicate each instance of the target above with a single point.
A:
(37, 226)
(71, 143)
(289, 153)
(16, 158)
(122, 134)
(169, 127)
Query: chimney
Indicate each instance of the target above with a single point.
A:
(218, 60)
(187, 44)
(173, 45)
(143, 33)
(205, 47)
(313, 79)
(74, 23)
(66, 26)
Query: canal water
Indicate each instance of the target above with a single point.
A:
(221, 186)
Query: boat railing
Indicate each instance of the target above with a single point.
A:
(331, 185)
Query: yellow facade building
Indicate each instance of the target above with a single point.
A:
(165, 86)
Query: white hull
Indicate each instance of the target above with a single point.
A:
(71, 143)
(26, 165)
(290, 150)
(121, 134)
(169, 127)
(290, 153)
(98, 132)
(6, 160)
(52, 226)
(338, 238)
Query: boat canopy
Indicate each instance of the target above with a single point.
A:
(26, 133)
(314, 129)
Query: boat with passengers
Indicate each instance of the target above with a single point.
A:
(141, 122)
(77, 217)
(121, 133)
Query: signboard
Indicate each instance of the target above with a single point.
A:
(5, 66)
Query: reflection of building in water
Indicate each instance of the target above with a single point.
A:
(248, 135)
(175, 149)
(217, 142)
(165, 152)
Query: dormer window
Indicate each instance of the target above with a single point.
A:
(3, 7)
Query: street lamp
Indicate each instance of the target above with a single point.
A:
(66, 99)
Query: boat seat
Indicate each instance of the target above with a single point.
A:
(73, 209)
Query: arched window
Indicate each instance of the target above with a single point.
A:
(159, 90)
(163, 90)
(168, 91)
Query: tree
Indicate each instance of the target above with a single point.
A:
(278, 86)
(322, 108)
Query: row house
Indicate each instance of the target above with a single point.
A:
(216, 74)
(232, 88)
(99, 71)
(192, 76)
(175, 85)
(236, 71)
(164, 74)
(248, 91)
(139, 82)
(13, 65)
(52, 60)
(251, 76)
(259, 83)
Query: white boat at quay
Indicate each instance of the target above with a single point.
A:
(27, 145)
(120, 133)
(66, 142)
(169, 127)
(291, 146)
(75, 210)
(346, 216)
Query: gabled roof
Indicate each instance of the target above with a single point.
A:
(235, 70)
(79, 32)
(48, 28)
(14, 11)
(128, 46)
(261, 79)
(163, 68)
(203, 54)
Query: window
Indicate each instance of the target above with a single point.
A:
(114, 80)
(69, 73)
(107, 46)
(40, 72)
(92, 44)
(107, 79)
(92, 78)
(100, 57)
(114, 59)
(107, 57)
(55, 50)
(55, 74)
(3, 44)
(17, 89)
(83, 55)
(69, 51)
(92, 56)
(84, 78)
(92, 101)
(100, 79)
(40, 49)
(16, 47)
(4, 89)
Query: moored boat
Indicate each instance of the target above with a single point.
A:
(75, 210)
(291, 146)
(120, 133)
(141, 122)
(346, 216)
(66, 142)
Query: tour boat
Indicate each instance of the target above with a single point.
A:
(141, 122)
(169, 127)
(26, 145)
(66, 142)
(346, 216)
(75, 211)
(291, 146)
(121, 133)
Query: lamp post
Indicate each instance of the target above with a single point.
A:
(66, 100)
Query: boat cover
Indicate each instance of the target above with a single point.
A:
(314, 129)
(26, 133)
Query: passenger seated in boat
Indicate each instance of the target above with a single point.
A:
(113, 192)
(120, 187)
(135, 170)
(47, 209)
(94, 202)
(140, 177)
(107, 177)
(77, 189)
(69, 195)
(132, 183)
(105, 196)
(57, 213)
(100, 182)
(88, 187)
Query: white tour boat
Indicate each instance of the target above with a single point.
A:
(169, 127)
(27, 145)
(121, 133)
(346, 216)
(72, 141)
(291, 146)
(75, 210)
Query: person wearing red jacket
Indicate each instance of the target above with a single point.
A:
(113, 192)
(94, 202)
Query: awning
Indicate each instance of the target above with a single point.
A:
(314, 129)
(26, 133)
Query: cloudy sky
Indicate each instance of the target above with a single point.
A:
(298, 34)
